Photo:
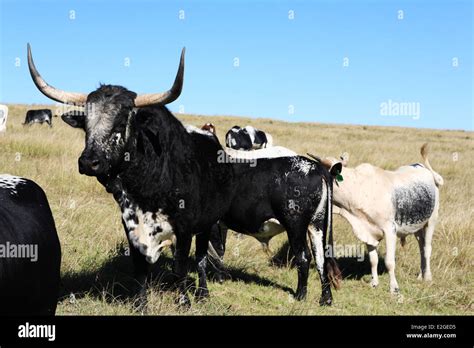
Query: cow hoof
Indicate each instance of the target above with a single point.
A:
(395, 291)
(221, 277)
(323, 302)
(183, 301)
(374, 284)
(300, 295)
(428, 277)
(201, 294)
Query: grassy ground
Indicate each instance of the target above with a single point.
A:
(96, 270)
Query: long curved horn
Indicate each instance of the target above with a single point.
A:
(50, 91)
(168, 96)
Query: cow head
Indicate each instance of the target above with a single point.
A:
(106, 119)
(333, 165)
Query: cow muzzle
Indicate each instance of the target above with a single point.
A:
(90, 166)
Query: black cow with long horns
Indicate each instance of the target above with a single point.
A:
(172, 182)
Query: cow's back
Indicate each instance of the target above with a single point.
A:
(406, 196)
(272, 187)
(27, 286)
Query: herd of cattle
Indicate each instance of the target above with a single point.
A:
(173, 181)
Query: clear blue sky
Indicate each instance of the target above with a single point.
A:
(283, 62)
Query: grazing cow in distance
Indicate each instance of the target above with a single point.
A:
(3, 118)
(247, 138)
(30, 253)
(39, 116)
(171, 183)
(381, 203)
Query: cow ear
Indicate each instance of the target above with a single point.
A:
(75, 119)
(345, 159)
(336, 169)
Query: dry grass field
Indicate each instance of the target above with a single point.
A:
(96, 271)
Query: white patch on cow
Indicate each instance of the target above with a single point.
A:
(302, 165)
(128, 217)
(100, 120)
(321, 208)
(268, 230)
(194, 129)
(151, 234)
(316, 236)
(117, 138)
(10, 182)
(251, 132)
(269, 140)
(272, 152)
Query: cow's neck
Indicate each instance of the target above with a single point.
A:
(342, 194)
(158, 143)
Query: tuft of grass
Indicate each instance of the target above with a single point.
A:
(97, 273)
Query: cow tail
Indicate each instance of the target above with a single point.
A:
(437, 178)
(332, 269)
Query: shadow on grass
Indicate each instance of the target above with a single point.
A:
(354, 268)
(351, 267)
(114, 279)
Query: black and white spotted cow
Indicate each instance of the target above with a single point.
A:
(39, 116)
(172, 182)
(247, 138)
(3, 118)
(30, 253)
(382, 203)
(267, 231)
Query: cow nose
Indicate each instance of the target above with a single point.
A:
(94, 163)
(88, 166)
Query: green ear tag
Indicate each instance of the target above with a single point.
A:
(339, 178)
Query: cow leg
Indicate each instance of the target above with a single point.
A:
(391, 242)
(141, 274)
(420, 237)
(266, 248)
(202, 241)
(141, 270)
(424, 238)
(297, 239)
(374, 261)
(181, 255)
(216, 251)
(317, 240)
(429, 230)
